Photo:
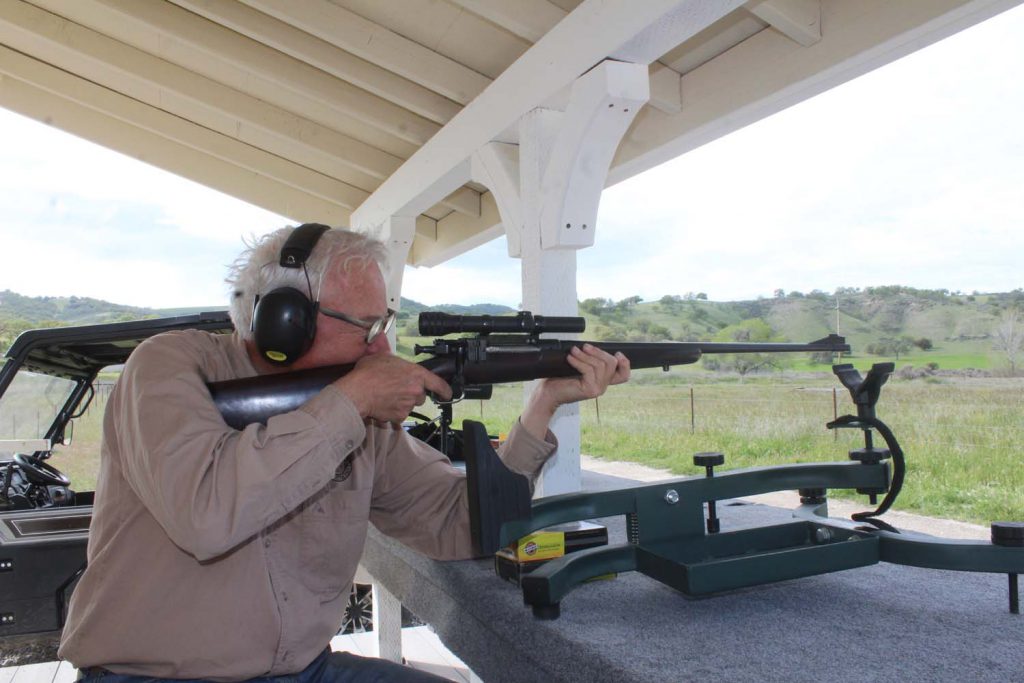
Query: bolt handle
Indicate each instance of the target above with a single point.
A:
(864, 390)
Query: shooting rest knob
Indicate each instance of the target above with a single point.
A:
(708, 459)
(1008, 534)
(870, 456)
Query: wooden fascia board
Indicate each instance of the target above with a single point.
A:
(798, 20)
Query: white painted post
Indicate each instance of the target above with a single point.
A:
(397, 234)
(549, 287)
(563, 164)
(387, 623)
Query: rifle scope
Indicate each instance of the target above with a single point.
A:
(440, 324)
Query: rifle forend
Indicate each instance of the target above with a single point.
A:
(489, 358)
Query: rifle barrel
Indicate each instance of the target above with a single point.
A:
(256, 399)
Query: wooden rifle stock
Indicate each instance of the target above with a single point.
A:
(255, 399)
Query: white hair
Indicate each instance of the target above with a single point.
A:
(257, 270)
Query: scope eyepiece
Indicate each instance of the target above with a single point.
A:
(440, 324)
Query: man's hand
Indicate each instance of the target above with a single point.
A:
(597, 369)
(386, 388)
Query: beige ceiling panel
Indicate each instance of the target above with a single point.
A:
(528, 19)
(215, 173)
(566, 5)
(477, 43)
(436, 212)
(730, 30)
(182, 38)
(456, 234)
(326, 57)
(464, 200)
(177, 90)
(69, 88)
(375, 43)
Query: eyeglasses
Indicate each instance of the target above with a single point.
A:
(374, 327)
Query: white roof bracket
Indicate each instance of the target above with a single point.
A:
(496, 167)
(400, 231)
(602, 105)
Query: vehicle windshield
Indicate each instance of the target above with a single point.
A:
(29, 407)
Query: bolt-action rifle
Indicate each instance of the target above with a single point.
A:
(506, 349)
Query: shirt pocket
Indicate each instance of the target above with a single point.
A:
(332, 534)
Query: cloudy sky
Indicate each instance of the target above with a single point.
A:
(913, 174)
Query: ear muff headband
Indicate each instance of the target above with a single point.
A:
(300, 243)
(284, 320)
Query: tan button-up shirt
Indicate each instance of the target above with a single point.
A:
(223, 554)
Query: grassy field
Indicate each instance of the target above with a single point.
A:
(961, 436)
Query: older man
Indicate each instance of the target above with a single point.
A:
(227, 555)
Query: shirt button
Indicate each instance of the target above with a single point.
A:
(266, 542)
(349, 445)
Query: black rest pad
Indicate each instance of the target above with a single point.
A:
(496, 493)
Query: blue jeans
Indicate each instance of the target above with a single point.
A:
(329, 667)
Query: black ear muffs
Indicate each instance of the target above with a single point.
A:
(284, 320)
(284, 325)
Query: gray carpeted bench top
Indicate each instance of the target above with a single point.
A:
(879, 623)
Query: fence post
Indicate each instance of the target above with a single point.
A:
(835, 414)
(693, 422)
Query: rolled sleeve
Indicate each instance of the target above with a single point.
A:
(524, 453)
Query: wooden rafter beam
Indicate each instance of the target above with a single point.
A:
(325, 56)
(532, 19)
(177, 90)
(206, 48)
(798, 20)
(57, 98)
(372, 42)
